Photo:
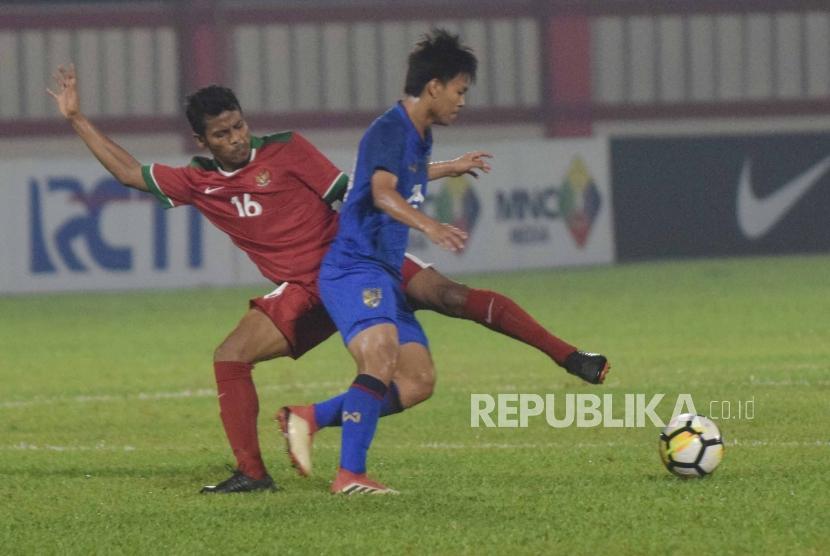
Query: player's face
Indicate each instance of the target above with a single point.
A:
(227, 138)
(449, 99)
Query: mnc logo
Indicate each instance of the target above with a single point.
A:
(54, 239)
(455, 202)
(577, 200)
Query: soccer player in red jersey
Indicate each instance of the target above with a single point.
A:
(272, 195)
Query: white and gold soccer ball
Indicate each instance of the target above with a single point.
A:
(691, 446)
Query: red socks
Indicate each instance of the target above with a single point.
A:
(239, 408)
(502, 314)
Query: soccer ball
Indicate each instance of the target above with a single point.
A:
(691, 446)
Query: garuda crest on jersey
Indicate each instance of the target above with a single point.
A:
(263, 178)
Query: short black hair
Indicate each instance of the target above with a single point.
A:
(209, 101)
(440, 55)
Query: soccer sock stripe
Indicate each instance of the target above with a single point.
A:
(503, 315)
(238, 409)
(361, 411)
(391, 401)
(371, 385)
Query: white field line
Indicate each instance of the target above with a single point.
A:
(754, 381)
(437, 446)
(299, 386)
(100, 447)
(572, 445)
(157, 396)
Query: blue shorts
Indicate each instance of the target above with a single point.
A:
(366, 295)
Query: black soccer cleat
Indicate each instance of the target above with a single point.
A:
(590, 367)
(239, 482)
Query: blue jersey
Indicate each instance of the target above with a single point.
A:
(366, 234)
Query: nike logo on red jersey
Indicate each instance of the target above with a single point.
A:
(209, 190)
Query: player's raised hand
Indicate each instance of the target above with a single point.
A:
(469, 162)
(66, 91)
(446, 236)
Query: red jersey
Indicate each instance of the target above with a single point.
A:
(275, 208)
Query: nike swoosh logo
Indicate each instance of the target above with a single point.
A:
(209, 190)
(757, 216)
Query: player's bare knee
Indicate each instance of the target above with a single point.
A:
(424, 381)
(420, 387)
(379, 358)
(236, 347)
(428, 383)
(228, 351)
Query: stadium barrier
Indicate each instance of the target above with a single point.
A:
(67, 225)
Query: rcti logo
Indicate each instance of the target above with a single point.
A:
(64, 218)
(577, 201)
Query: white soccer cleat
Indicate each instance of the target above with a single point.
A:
(298, 427)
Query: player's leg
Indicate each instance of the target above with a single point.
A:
(265, 332)
(426, 288)
(411, 384)
(363, 301)
(414, 373)
(415, 361)
(375, 350)
(299, 423)
(429, 289)
(409, 387)
(254, 339)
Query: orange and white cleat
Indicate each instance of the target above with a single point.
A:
(350, 483)
(298, 426)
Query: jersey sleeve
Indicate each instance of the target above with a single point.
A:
(171, 186)
(316, 171)
(383, 148)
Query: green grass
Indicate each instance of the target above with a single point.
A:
(109, 424)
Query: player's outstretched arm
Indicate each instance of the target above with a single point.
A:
(112, 156)
(387, 199)
(467, 163)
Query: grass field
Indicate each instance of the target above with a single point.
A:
(110, 425)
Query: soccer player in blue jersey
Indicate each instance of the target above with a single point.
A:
(361, 285)
(360, 279)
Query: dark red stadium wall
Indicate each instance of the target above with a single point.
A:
(567, 98)
(567, 105)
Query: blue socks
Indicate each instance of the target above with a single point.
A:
(330, 412)
(361, 410)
